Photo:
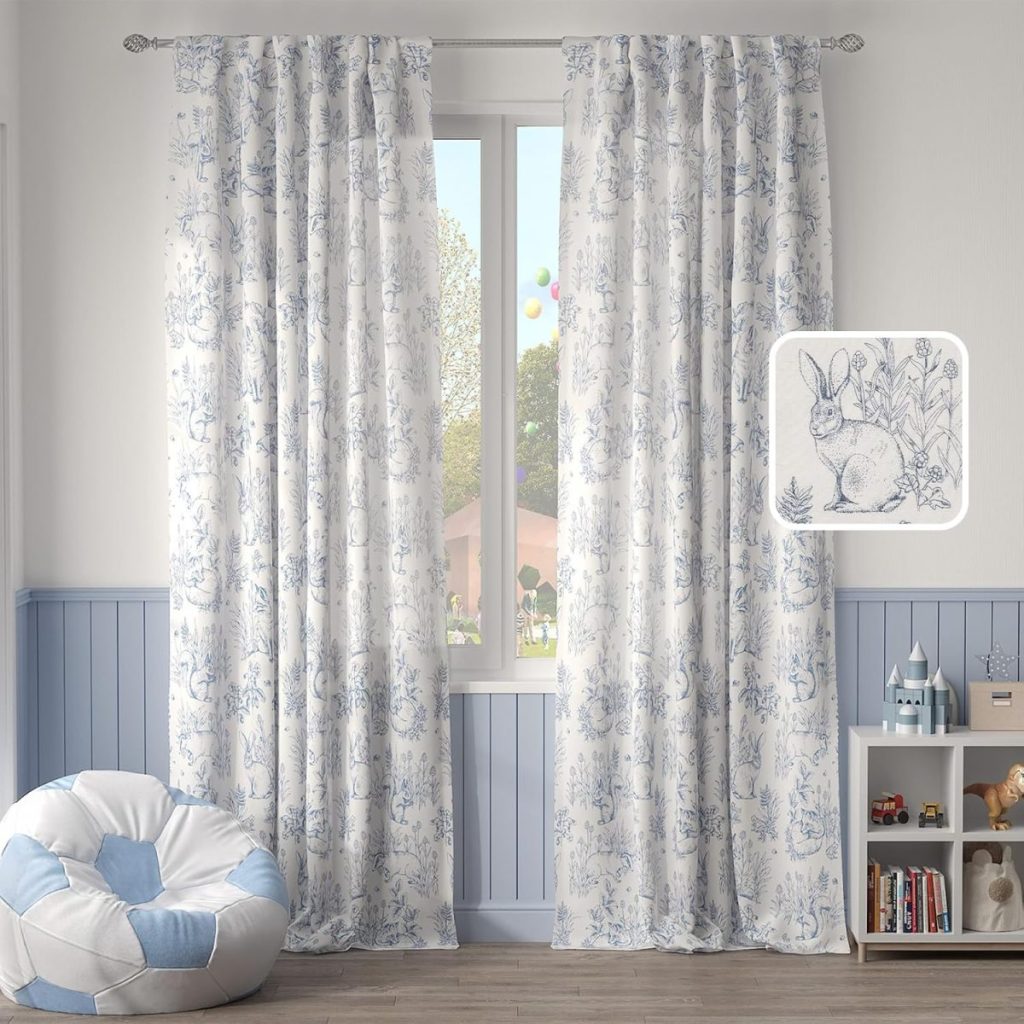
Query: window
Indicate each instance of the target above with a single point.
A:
(497, 193)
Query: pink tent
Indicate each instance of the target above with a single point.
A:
(537, 537)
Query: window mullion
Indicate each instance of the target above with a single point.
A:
(492, 470)
(508, 405)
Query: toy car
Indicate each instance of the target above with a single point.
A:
(931, 816)
(889, 809)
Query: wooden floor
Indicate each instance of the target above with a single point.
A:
(481, 983)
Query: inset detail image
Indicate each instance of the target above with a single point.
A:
(868, 431)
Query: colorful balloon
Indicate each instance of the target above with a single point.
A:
(554, 334)
(520, 475)
(531, 428)
(533, 308)
(554, 290)
(542, 276)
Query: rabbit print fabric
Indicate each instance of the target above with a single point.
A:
(696, 772)
(309, 689)
(868, 431)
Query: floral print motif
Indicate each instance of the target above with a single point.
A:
(309, 689)
(696, 758)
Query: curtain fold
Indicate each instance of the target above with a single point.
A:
(309, 689)
(696, 789)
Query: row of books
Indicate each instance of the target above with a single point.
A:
(907, 899)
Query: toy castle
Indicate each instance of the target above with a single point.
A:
(916, 703)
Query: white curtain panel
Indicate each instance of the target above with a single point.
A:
(309, 690)
(696, 792)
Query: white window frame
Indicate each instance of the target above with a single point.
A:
(492, 667)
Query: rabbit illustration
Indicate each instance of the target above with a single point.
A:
(866, 458)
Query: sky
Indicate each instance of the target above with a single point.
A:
(538, 159)
(457, 164)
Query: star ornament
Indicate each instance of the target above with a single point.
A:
(997, 662)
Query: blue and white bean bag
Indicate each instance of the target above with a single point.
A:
(121, 895)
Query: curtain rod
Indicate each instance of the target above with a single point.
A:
(137, 43)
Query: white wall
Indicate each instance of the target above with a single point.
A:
(9, 116)
(925, 127)
(11, 545)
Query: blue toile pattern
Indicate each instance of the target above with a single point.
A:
(309, 690)
(696, 797)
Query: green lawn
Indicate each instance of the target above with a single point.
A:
(537, 650)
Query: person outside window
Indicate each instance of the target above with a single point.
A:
(530, 612)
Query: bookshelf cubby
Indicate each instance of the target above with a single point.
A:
(926, 768)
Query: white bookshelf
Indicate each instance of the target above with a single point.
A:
(926, 768)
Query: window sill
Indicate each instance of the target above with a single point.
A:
(468, 684)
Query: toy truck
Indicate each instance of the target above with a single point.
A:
(889, 809)
(931, 815)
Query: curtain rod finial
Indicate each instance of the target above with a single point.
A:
(137, 43)
(850, 43)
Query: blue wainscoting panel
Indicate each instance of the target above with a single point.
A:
(502, 816)
(953, 644)
(504, 852)
(156, 672)
(93, 669)
(27, 692)
(476, 812)
(77, 687)
(898, 634)
(50, 684)
(531, 820)
(458, 797)
(103, 667)
(92, 692)
(549, 797)
(978, 637)
(924, 625)
(131, 686)
(869, 667)
(1005, 616)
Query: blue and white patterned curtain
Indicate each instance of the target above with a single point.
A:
(696, 797)
(309, 689)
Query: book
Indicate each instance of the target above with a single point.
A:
(908, 900)
(872, 899)
(930, 887)
(947, 916)
(914, 898)
(886, 900)
(892, 923)
(880, 889)
(894, 909)
(887, 892)
(942, 903)
(898, 900)
(920, 901)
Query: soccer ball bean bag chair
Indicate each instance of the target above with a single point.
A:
(121, 895)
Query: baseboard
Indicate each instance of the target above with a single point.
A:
(505, 922)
